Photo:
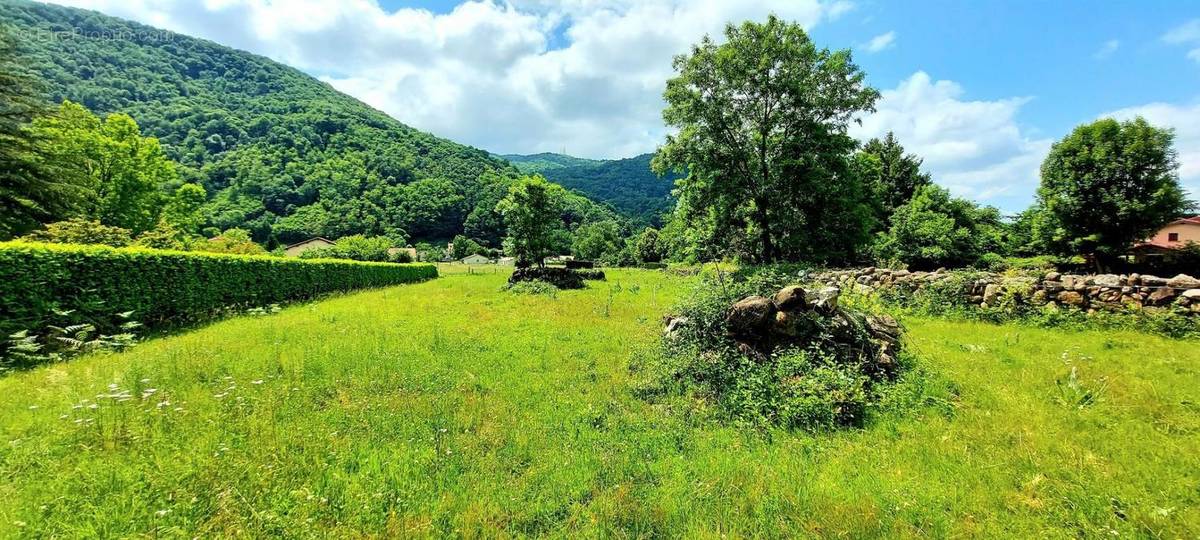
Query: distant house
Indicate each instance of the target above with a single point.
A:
(296, 249)
(411, 251)
(507, 261)
(476, 259)
(1173, 235)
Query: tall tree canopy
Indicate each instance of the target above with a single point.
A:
(533, 213)
(892, 175)
(1109, 184)
(762, 124)
(124, 171)
(32, 189)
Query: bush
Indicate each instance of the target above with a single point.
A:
(559, 277)
(81, 231)
(165, 288)
(533, 288)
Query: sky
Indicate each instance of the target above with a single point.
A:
(979, 89)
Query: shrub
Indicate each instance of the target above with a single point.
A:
(165, 288)
(358, 248)
(533, 288)
(233, 241)
(559, 277)
(81, 231)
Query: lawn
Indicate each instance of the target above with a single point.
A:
(452, 408)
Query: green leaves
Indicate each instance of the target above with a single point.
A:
(762, 124)
(101, 287)
(1109, 184)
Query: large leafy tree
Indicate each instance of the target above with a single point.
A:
(32, 188)
(601, 240)
(533, 214)
(1109, 184)
(892, 175)
(125, 171)
(762, 124)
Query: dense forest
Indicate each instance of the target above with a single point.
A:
(278, 152)
(627, 184)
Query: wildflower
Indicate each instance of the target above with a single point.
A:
(33, 407)
(259, 381)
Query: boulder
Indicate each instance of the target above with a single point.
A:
(1107, 280)
(749, 316)
(1160, 296)
(791, 299)
(1192, 295)
(1071, 298)
(1053, 276)
(1184, 281)
(991, 293)
(884, 328)
(826, 300)
(1153, 281)
(674, 325)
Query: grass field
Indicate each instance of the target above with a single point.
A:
(449, 408)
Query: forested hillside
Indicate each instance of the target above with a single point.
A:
(279, 153)
(627, 184)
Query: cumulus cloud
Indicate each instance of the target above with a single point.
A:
(1107, 49)
(1185, 120)
(1188, 34)
(584, 76)
(880, 42)
(486, 73)
(974, 148)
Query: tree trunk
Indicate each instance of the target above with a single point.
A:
(764, 226)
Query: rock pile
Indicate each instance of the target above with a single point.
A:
(798, 317)
(1112, 292)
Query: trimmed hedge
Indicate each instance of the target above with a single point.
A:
(165, 288)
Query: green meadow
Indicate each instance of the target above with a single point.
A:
(451, 408)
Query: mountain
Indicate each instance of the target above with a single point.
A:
(627, 184)
(540, 163)
(279, 152)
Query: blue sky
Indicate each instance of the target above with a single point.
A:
(980, 89)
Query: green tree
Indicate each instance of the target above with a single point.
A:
(1109, 184)
(184, 209)
(125, 170)
(892, 175)
(762, 122)
(532, 212)
(936, 230)
(32, 188)
(597, 241)
(465, 247)
(648, 247)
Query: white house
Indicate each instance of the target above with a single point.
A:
(476, 259)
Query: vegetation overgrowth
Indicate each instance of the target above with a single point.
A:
(45, 285)
(450, 408)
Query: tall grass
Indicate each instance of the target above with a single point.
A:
(451, 408)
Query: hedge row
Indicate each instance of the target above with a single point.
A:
(165, 288)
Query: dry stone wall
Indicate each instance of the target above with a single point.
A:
(1112, 292)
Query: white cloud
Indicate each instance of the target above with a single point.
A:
(485, 74)
(1185, 119)
(1107, 49)
(1187, 33)
(880, 42)
(974, 148)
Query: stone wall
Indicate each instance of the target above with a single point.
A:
(1111, 292)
